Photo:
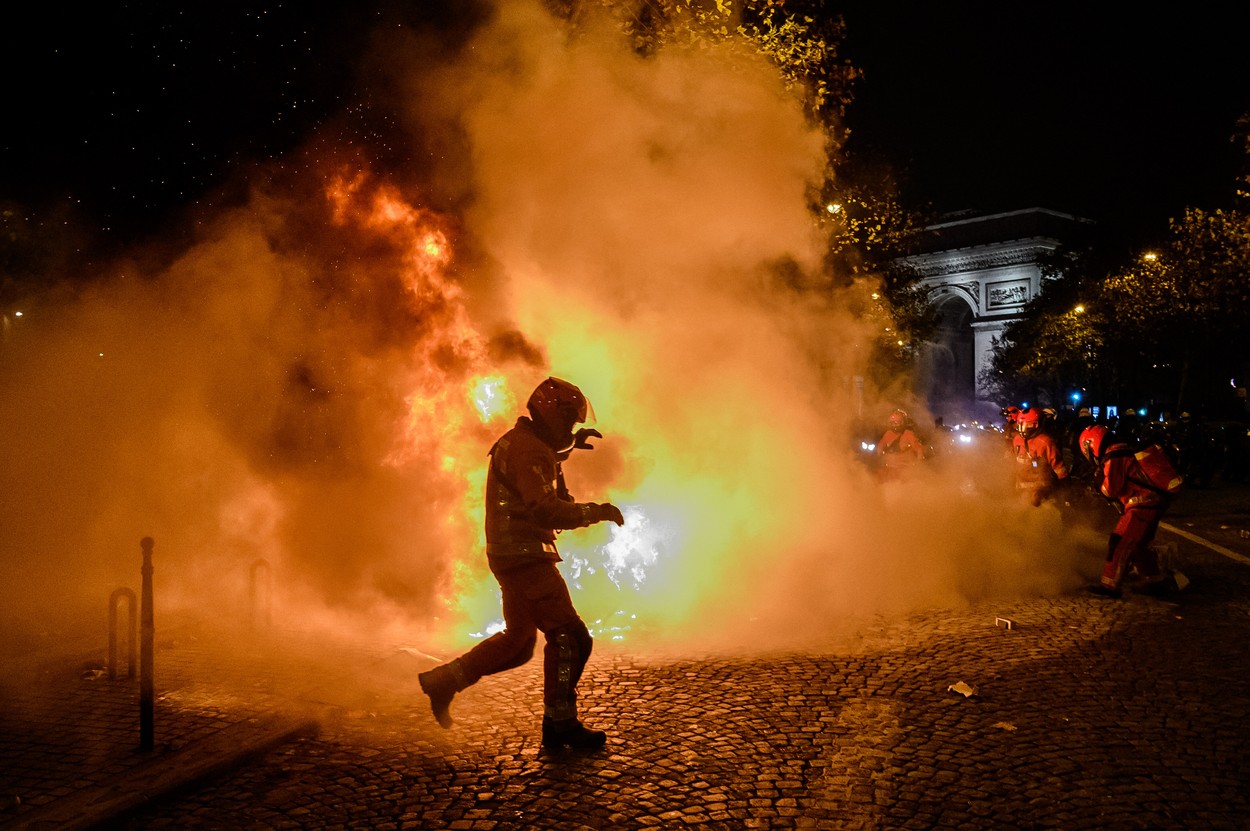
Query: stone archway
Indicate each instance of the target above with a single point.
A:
(979, 272)
(948, 362)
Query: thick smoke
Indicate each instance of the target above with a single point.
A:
(297, 387)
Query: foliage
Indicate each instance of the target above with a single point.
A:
(1158, 329)
(1050, 351)
(800, 39)
(869, 229)
(1180, 309)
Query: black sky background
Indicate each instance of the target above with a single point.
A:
(122, 117)
(1119, 113)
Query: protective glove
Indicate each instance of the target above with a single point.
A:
(607, 512)
(581, 439)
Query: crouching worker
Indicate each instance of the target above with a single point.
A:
(1142, 502)
(526, 503)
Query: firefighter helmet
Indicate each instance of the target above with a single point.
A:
(1028, 422)
(897, 420)
(1091, 441)
(559, 406)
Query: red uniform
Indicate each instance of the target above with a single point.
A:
(899, 449)
(1129, 545)
(1039, 465)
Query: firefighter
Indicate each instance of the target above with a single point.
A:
(1081, 469)
(1009, 423)
(1122, 481)
(526, 504)
(899, 449)
(1040, 467)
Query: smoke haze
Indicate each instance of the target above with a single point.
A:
(315, 381)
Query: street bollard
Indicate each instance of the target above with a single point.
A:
(146, 697)
(131, 632)
(262, 607)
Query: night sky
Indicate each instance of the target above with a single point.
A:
(125, 115)
(1122, 114)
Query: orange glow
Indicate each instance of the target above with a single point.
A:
(317, 382)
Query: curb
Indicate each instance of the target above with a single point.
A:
(164, 775)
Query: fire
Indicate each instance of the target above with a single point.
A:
(459, 402)
(634, 547)
(491, 397)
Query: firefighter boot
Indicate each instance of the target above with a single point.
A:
(441, 684)
(1104, 591)
(570, 733)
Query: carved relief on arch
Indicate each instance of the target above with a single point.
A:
(967, 290)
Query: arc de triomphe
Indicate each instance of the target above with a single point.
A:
(979, 270)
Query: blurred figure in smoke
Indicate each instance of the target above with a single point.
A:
(1009, 423)
(900, 449)
(526, 503)
(1040, 467)
(1122, 480)
(1081, 468)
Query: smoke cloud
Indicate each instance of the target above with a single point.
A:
(307, 392)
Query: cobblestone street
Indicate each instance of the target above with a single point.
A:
(1087, 714)
(1080, 712)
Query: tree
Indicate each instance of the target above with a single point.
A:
(1182, 308)
(1052, 349)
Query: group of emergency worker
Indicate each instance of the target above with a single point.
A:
(1049, 459)
(1112, 466)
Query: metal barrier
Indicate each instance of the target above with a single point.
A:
(262, 607)
(132, 632)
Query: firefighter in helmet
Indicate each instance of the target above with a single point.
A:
(1121, 481)
(526, 504)
(1009, 423)
(1040, 467)
(899, 449)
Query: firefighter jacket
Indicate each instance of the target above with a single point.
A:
(1039, 461)
(1123, 480)
(526, 501)
(900, 448)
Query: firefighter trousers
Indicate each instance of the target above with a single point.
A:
(536, 599)
(1129, 546)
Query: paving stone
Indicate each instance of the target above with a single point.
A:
(1127, 715)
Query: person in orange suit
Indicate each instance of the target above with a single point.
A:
(1121, 480)
(899, 449)
(1040, 468)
